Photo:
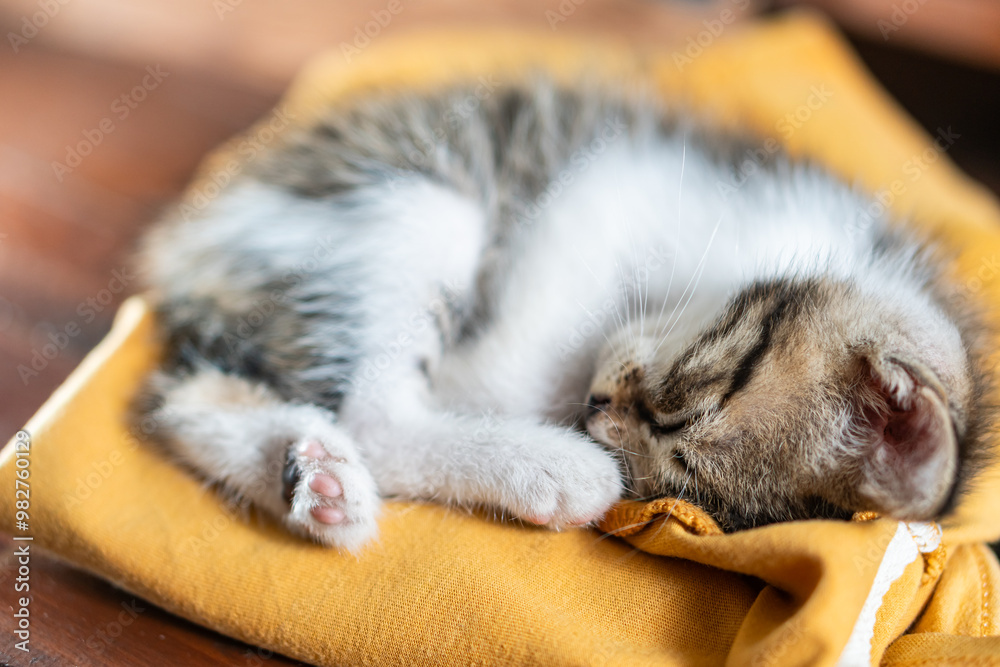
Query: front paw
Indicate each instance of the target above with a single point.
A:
(331, 497)
(561, 484)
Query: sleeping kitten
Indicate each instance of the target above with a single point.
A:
(538, 298)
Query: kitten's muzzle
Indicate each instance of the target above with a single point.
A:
(597, 403)
(598, 421)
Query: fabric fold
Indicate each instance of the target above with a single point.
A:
(661, 585)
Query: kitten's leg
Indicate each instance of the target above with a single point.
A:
(291, 461)
(541, 473)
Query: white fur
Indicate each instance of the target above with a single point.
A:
(638, 239)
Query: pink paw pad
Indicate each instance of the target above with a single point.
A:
(325, 485)
(328, 515)
(312, 449)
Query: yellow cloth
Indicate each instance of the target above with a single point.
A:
(449, 587)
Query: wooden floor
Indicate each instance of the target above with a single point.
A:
(61, 245)
(63, 241)
(65, 233)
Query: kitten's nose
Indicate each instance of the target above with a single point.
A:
(596, 403)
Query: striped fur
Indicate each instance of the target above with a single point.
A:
(536, 298)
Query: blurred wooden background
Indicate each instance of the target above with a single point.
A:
(64, 65)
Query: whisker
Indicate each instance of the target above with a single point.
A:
(621, 447)
(636, 279)
(665, 517)
(614, 300)
(611, 345)
(626, 307)
(692, 284)
(613, 533)
(677, 231)
(617, 430)
(645, 456)
(649, 497)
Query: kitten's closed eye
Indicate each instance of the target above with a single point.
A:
(674, 424)
(822, 367)
(662, 426)
(812, 408)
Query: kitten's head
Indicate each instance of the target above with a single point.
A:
(806, 398)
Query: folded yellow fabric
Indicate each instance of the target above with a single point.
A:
(449, 587)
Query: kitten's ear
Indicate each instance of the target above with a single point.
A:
(910, 450)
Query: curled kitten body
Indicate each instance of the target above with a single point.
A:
(544, 302)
